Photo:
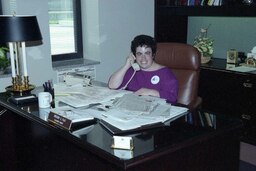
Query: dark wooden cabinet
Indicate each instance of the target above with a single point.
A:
(222, 91)
(230, 92)
(8, 155)
(171, 20)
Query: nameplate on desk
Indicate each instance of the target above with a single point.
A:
(121, 142)
(59, 120)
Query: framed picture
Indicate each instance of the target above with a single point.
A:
(232, 55)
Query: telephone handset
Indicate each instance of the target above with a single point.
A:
(135, 66)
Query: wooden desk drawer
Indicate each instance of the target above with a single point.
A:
(231, 93)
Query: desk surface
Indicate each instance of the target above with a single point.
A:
(149, 145)
(220, 64)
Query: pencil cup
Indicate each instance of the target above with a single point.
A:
(44, 99)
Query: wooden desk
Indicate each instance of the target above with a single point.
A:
(230, 92)
(28, 142)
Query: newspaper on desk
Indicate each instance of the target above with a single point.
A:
(132, 111)
(119, 108)
(82, 96)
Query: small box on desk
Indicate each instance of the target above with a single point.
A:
(232, 56)
(20, 100)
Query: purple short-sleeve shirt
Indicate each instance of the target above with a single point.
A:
(162, 80)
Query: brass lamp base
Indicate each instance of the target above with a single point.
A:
(20, 90)
(20, 87)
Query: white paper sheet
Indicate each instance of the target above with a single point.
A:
(124, 121)
(242, 69)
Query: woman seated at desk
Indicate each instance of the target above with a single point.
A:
(143, 75)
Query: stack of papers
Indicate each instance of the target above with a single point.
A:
(125, 121)
(135, 104)
(118, 109)
(127, 113)
(80, 96)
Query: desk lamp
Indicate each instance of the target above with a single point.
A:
(16, 30)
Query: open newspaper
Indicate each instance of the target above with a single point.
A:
(132, 111)
(80, 96)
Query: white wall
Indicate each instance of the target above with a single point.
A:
(110, 27)
(108, 30)
(227, 32)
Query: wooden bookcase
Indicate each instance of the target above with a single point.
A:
(171, 21)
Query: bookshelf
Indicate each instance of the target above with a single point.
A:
(171, 20)
(222, 11)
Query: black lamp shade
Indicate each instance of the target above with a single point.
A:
(19, 29)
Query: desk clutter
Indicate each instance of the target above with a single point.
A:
(119, 111)
(247, 63)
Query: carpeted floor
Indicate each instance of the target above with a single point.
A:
(247, 157)
(244, 166)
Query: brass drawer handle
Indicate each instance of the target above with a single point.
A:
(248, 85)
(247, 117)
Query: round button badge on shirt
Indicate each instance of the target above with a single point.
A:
(155, 79)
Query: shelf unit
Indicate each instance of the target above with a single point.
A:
(171, 21)
(231, 96)
(222, 11)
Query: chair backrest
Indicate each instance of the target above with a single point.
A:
(184, 61)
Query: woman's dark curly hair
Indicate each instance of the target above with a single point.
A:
(143, 40)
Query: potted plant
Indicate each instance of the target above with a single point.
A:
(4, 61)
(204, 45)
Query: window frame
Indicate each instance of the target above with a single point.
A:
(78, 36)
(1, 12)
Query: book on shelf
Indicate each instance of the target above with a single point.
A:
(201, 119)
(207, 119)
(191, 3)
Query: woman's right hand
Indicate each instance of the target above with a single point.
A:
(117, 77)
(130, 60)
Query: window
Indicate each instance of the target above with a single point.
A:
(65, 29)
